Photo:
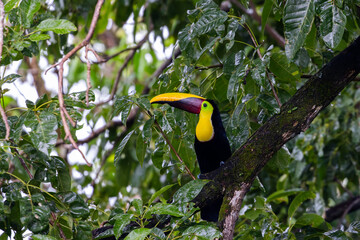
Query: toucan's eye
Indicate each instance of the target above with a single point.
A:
(204, 105)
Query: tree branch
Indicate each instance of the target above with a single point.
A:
(63, 112)
(345, 207)
(295, 117)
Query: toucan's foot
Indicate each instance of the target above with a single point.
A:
(222, 163)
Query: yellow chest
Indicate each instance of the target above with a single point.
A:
(204, 128)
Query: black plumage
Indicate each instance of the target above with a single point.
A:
(209, 155)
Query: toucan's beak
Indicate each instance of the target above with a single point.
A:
(185, 101)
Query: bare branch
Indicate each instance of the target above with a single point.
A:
(107, 58)
(63, 112)
(88, 72)
(87, 39)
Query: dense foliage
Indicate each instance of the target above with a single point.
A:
(136, 181)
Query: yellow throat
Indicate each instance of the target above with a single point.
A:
(204, 128)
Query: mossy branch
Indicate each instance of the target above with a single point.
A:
(235, 177)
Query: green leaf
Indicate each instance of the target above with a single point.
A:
(141, 145)
(161, 191)
(138, 234)
(206, 231)
(332, 25)
(354, 227)
(121, 146)
(59, 26)
(138, 205)
(280, 161)
(309, 219)
(283, 193)
(298, 18)
(39, 37)
(78, 208)
(63, 175)
(43, 130)
(298, 200)
(210, 19)
(121, 222)
(253, 214)
(165, 208)
(40, 221)
(9, 78)
(10, 5)
(258, 73)
(189, 191)
(158, 233)
(78, 99)
(283, 70)
(147, 130)
(42, 237)
(336, 235)
(268, 103)
(234, 66)
(122, 106)
(266, 13)
(27, 10)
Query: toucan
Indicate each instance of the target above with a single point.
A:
(211, 145)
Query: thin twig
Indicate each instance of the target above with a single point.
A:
(23, 164)
(173, 149)
(96, 54)
(88, 72)
(52, 222)
(2, 111)
(107, 58)
(63, 113)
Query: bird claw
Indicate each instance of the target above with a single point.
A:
(222, 163)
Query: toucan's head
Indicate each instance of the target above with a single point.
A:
(193, 104)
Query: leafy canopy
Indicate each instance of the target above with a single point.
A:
(136, 181)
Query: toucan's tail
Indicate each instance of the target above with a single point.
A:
(211, 211)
